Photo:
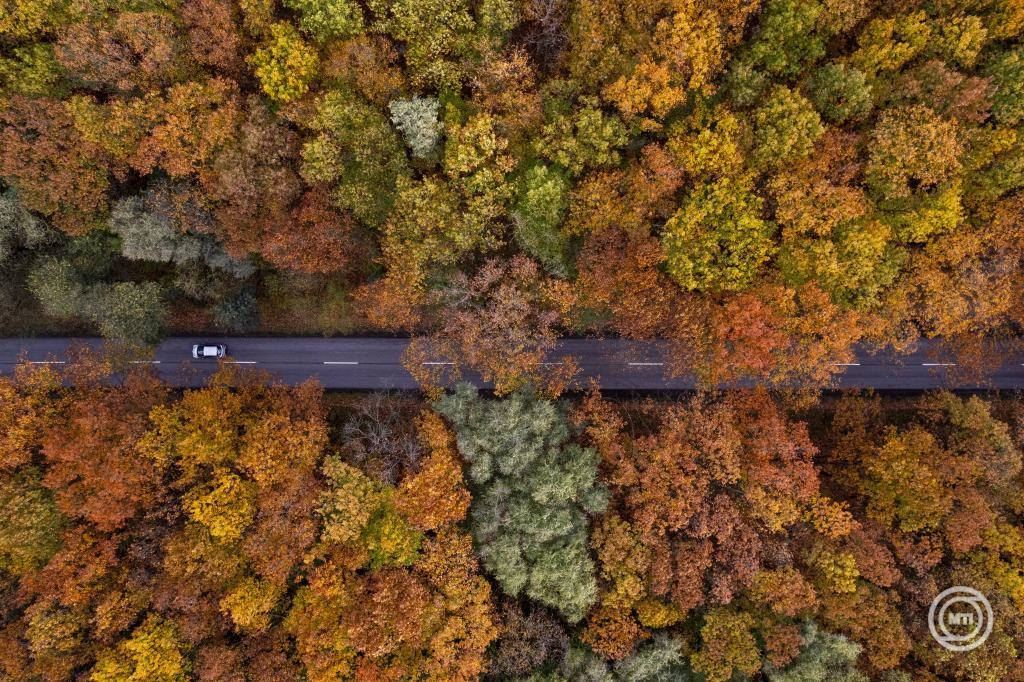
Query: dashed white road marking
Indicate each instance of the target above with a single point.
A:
(241, 362)
(938, 364)
(438, 363)
(340, 362)
(846, 364)
(646, 364)
(47, 362)
(145, 362)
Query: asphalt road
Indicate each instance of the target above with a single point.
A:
(375, 363)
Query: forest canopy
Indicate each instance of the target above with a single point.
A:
(248, 530)
(824, 171)
(760, 184)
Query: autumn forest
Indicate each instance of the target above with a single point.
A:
(762, 185)
(253, 531)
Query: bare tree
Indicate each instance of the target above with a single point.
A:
(543, 32)
(381, 434)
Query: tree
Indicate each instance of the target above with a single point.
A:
(912, 150)
(586, 139)
(505, 86)
(215, 34)
(254, 183)
(33, 71)
(921, 219)
(144, 236)
(132, 51)
(370, 64)
(56, 171)
(620, 281)
(416, 118)
(398, 592)
(840, 92)
(718, 241)
(856, 266)
(127, 311)
(498, 18)
(325, 20)
(29, 17)
(660, 660)
(533, 490)
(824, 656)
(785, 591)
(56, 286)
(54, 638)
(285, 64)
(696, 39)
(434, 32)
(786, 127)
(249, 515)
(30, 530)
(250, 603)
(226, 508)
(151, 235)
(317, 240)
(427, 228)
(699, 495)
(538, 212)
(786, 40)
(153, 652)
(960, 39)
(500, 323)
(161, 225)
(1006, 69)
(717, 147)
(187, 126)
(357, 151)
(380, 434)
(727, 645)
(648, 94)
(436, 495)
(528, 640)
(951, 94)
(92, 466)
(871, 619)
(239, 314)
(28, 408)
(350, 502)
(888, 43)
(476, 160)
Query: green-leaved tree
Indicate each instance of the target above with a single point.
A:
(533, 492)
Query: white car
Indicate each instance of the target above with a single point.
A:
(209, 350)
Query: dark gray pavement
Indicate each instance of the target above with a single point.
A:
(375, 363)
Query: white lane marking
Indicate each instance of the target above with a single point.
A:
(339, 362)
(551, 363)
(145, 362)
(241, 362)
(938, 364)
(646, 364)
(438, 363)
(846, 364)
(47, 362)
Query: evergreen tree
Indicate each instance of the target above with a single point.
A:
(824, 658)
(533, 491)
(416, 118)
